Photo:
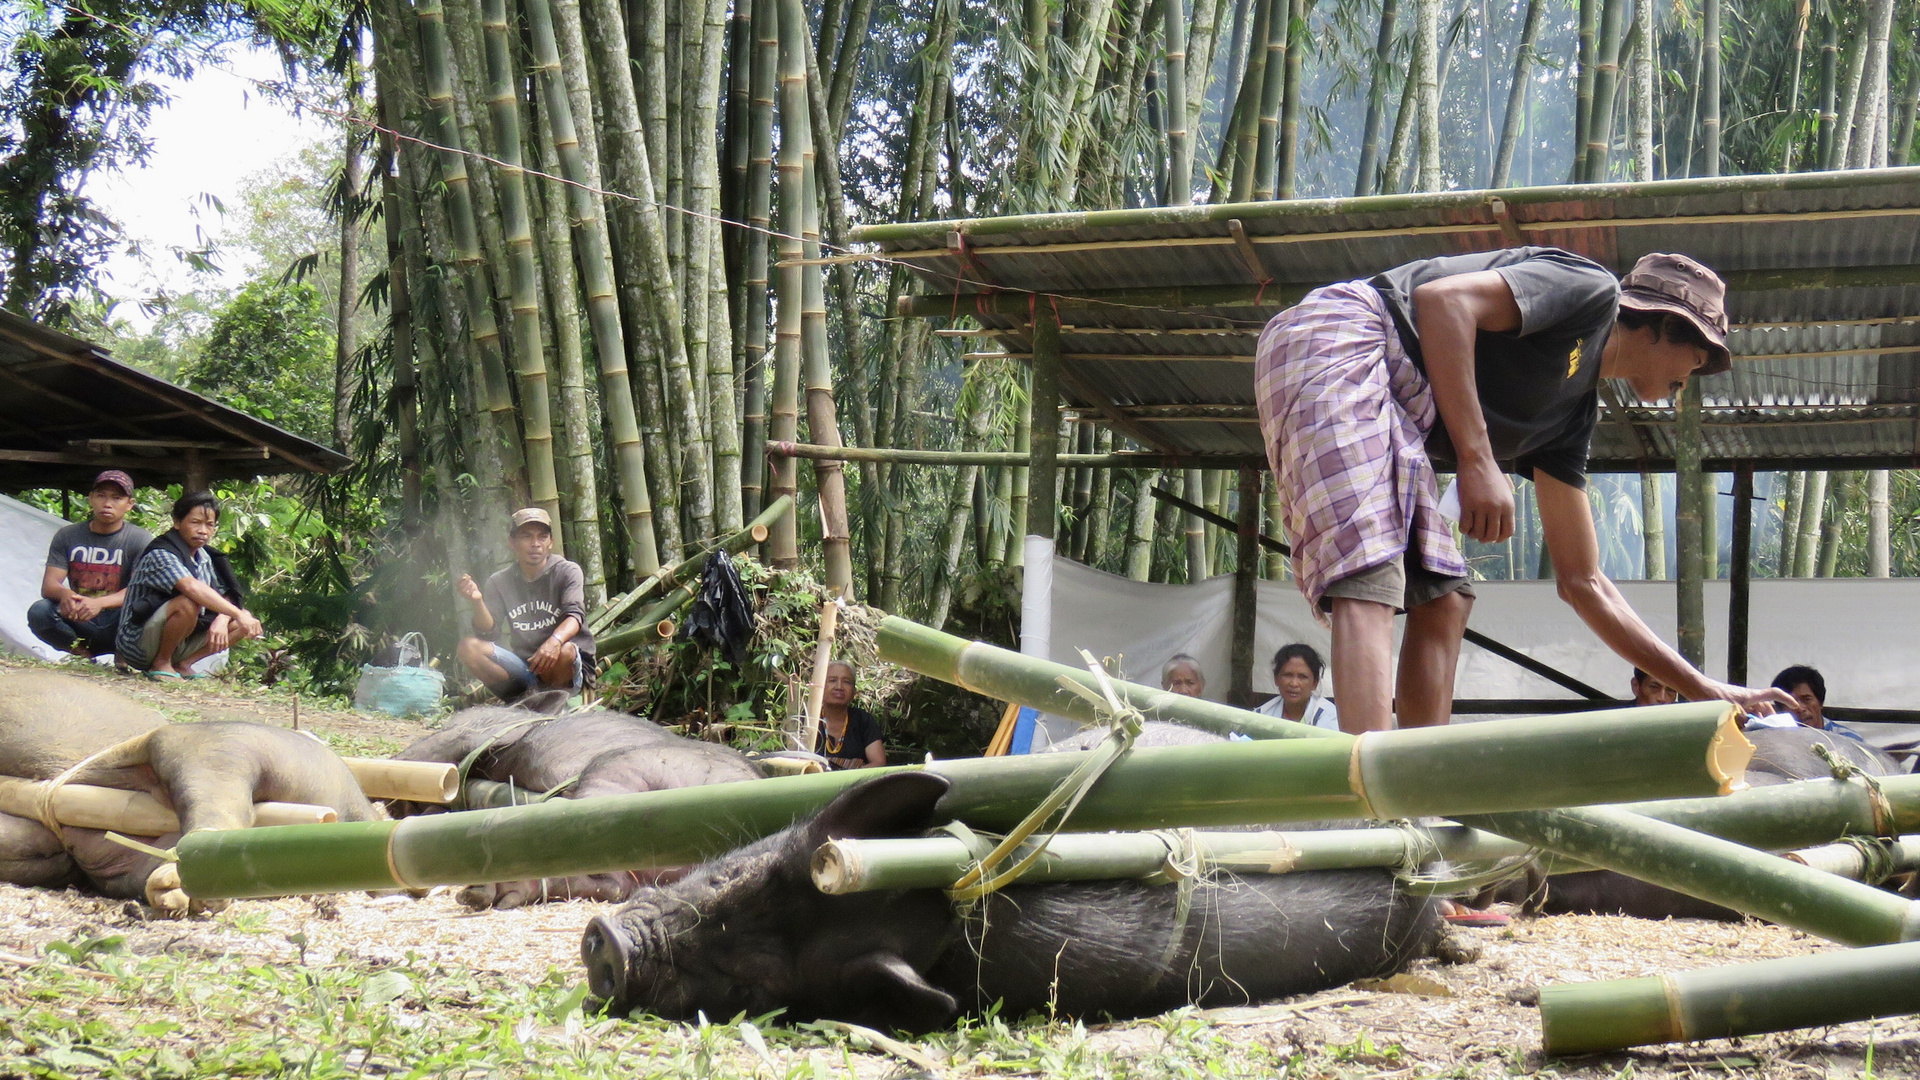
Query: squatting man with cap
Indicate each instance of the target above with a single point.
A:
(88, 567)
(540, 604)
(1480, 362)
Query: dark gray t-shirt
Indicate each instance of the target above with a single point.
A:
(97, 564)
(1539, 388)
(525, 612)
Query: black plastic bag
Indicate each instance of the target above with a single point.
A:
(722, 616)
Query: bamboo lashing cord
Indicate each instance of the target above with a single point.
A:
(1844, 771)
(1126, 721)
(116, 754)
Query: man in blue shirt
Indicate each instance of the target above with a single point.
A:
(1808, 688)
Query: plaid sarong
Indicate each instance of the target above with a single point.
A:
(1345, 414)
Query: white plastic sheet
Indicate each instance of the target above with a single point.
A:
(1858, 632)
(25, 533)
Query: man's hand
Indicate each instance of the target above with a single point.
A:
(218, 637)
(1486, 503)
(249, 626)
(547, 662)
(77, 608)
(1756, 702)
(468, 588)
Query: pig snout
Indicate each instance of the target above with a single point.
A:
(604, 952)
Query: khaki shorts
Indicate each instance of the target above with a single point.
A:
(150, 639)
(1402, 585)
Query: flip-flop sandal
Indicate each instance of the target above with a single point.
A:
(162, 676)
(1485, 919)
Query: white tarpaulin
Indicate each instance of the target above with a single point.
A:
(1858, 632)
(25, 533)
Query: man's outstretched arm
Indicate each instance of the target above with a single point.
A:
(1566, 519)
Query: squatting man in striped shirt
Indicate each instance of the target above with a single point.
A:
(1474, 362)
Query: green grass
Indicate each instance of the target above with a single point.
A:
(92, 1009)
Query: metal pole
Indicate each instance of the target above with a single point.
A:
(1739, 593)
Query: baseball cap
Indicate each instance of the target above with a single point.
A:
(115, 477)
(1677, 284)
(532, 515)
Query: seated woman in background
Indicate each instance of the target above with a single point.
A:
(1297, 669)
(849, 735)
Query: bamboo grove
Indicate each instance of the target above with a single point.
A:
(611, 233)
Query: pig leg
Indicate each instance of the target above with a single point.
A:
(31, 855)
(606, 888)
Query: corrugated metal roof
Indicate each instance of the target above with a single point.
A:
(68, 410)
(1161, 307)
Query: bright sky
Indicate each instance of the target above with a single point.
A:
(218, 130)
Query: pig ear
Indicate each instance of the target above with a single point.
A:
(898, 995)
(897, 804)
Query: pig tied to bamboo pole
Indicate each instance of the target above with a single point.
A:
(1493, 767)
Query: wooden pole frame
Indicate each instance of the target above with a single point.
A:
(1740, 577)
(1246, 572)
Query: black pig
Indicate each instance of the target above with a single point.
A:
(749, 933)
(585, 753)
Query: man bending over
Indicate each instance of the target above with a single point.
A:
(1484, 362)
(538, 607)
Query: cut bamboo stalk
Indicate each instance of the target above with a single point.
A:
(135, 813)
(675, 573)
(1719, 871)
(1491, 767)
(1745, 999)
(817, 688)
(1898, 855)
(789, 766)
(682, 580)
(936, 862)
(414, 781)
(1009, 676)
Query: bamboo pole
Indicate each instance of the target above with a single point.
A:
(784, 549)
(681, 581)
(1606, 73)
(1710, 87)
(1295, 89)
(764, 83)
(1517, 93)
(1179, 146)
(1123, 459)
(1140, 532)
(1492, 767)
(1007, 676)
(848, 866)
(1896, 855)
(603, 305)
(1587, 54)
(1806, 549)
(823, 416)
(1427, 94)
(1716, 870)
(135, 813)
(673, 574)
(414, 781)
(457, 192)
(1246, 571)
(1879, 531)
(530, 367)
(1273, 78)
(1689, 529)
(817, 686)
(1364, 178)
(1744, 999)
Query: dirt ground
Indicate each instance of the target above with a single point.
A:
(1467, 1019)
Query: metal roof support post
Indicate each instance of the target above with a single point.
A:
(1246, 570)
(1740, 575)
(1036, 593)
(1689, 534)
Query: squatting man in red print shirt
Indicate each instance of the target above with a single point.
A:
(1476, 361)
(530, 622)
